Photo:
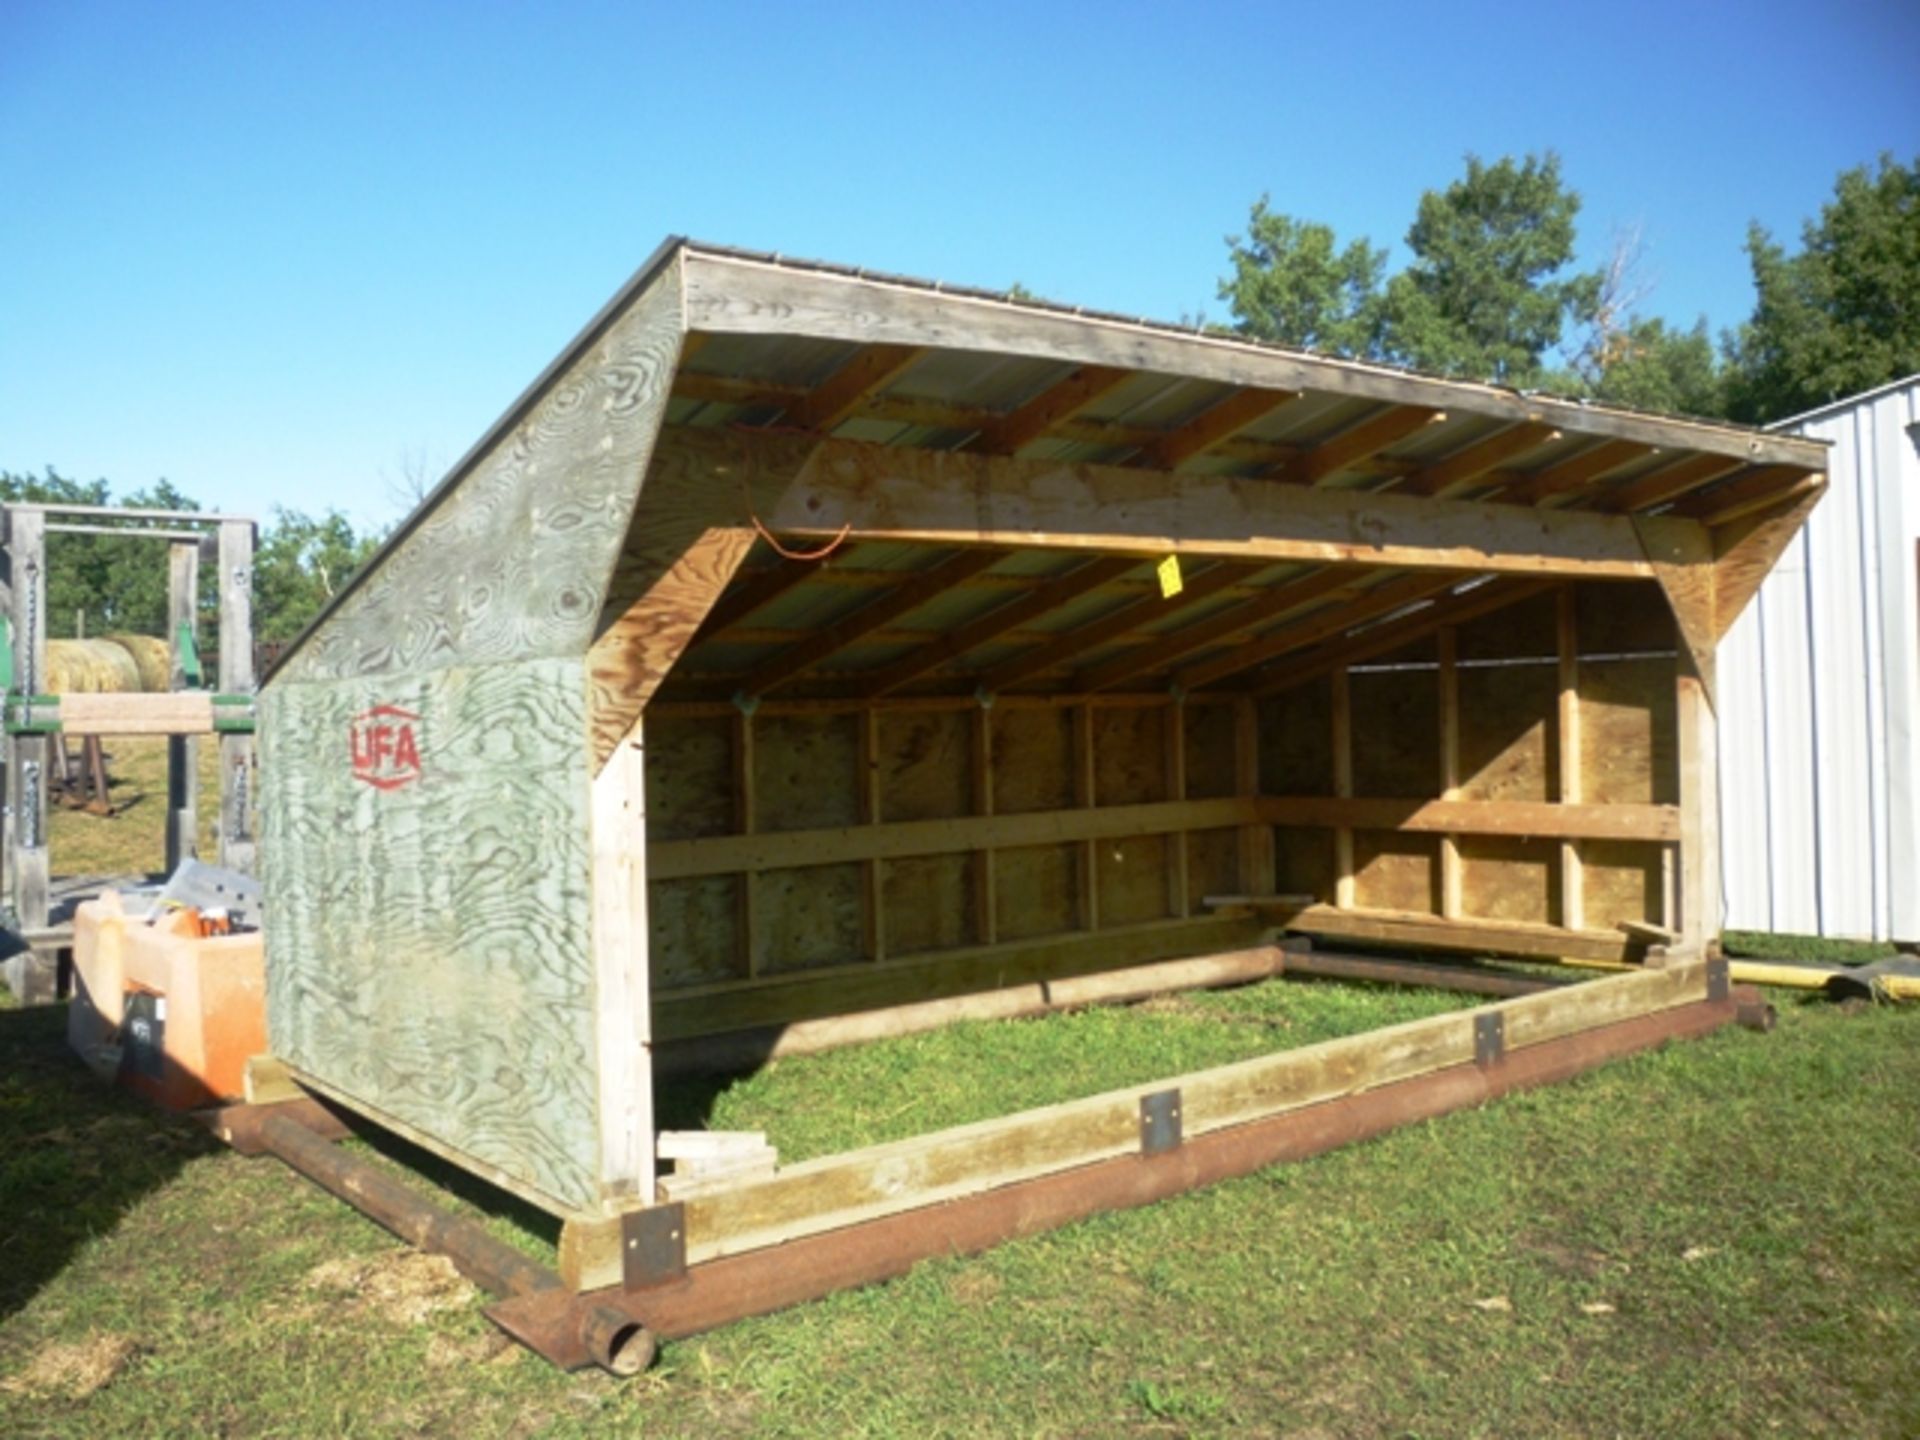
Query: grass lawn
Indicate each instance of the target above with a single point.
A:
(1720, 1239)
(134, 840)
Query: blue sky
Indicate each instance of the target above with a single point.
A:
(287, 253)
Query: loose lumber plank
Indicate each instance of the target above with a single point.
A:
(731, 854)
(878, 492)
(182, 712)
(1567, 717)
(1358, 442)
(840, 1190)
(1478, 937)
(1448, 678)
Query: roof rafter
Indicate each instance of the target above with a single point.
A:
(1494, 594)
(1357, 442)
(1669, 482)
(1161, 652)
(918, 589)
(1589, 465)
(1466, 465)
(1128, 617)
(870, 370)
(1002, 620)
(1023, 425)
(1757, 490)
(1212, 426)
(1381, 599)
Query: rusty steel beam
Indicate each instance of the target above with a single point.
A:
(721, 1291)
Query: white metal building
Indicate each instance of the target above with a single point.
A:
(1819, 697)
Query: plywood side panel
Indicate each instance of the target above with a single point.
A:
(929, 902)
(693, 930)
(428, 946)
(926, 764)
(1396, 872)
(1032, 759)
(514, 562)
(1132, 877)
(1036, 891)
(690, 779)
(806, 771)
(1213, 866)
(1507, 730)
(1296, 740)
(808, 917)
(1503, 878)
(1622, 882)
(1130, 754)
(1209, 739)
(1627, 734)
(1303, 862)
(1396, 726)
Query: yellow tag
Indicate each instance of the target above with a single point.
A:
(1170, 583)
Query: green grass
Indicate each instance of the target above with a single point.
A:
(1747, 1209)
(133, 840)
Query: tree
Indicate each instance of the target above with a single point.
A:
(1485, 296)
(1293, 285)
(1650, 367)
(302, 562)
(1841, 316)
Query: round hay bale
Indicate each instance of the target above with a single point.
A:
(90, 667)
(151, 656)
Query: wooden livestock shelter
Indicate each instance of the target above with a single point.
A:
(807, 643)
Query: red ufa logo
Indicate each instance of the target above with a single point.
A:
(386, 753)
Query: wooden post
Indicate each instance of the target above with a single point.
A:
(1177, 790)
(1342, 717)
(1699, 810)
(1257, 875)
(1449, 678)
(870, 806)
(622, 1007)
(29, 771)
(746, 824)
(1572, 878)
(236, 844)
(183, 776)
(986, 925)
(1085, 797)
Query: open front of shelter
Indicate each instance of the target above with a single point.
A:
(811, 654)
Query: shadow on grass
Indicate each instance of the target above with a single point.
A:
(75, 1154)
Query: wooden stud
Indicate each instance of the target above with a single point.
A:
(1699, 810)
(1358, 442)
(1256, 838)
(873, 912)
(621, 1000)
(1021, 427)
(838, 397)
(746, 823)
(1086, 797)
(1001, 621)
(986, 923)
(1176, 763)
(1341, 719)
(1567, 742)
(1448, 678)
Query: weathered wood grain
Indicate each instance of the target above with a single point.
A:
(513, 562)
(428, 946)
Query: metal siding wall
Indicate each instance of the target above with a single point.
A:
(1817, 689)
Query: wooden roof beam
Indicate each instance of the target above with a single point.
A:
(917, 590)
(1357, 442)
(1143, 611)
(1466, 465)
(1020, 427)
(1757, 490)
(1381, 599)
(1582, 469)
(758, 590)
(1162, 651)
(1002, 620)
(1213, 426)
(841, 394)
(1495, 594)
(1667, 483)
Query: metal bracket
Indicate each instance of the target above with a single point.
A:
(1159, 1122)
(653, 1246)
(1719, 979)
(1489, 1038)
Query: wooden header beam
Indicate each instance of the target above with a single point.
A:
(877, 492)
